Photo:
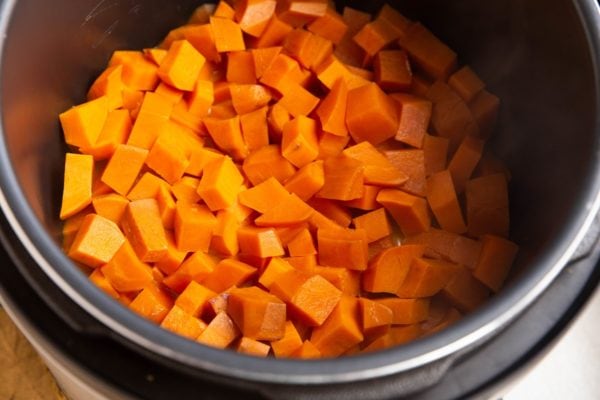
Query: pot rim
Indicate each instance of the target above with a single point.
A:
(471, 330)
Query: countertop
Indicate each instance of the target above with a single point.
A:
(571, 370)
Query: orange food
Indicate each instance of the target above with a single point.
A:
(260, 315)
(375, 224)
(228, 273)
(388, 270)
(312, 298)
(375, 120)
(299, 141)
(344, 178)
(220, 184)
(410, 212)
(97, 241)
(307, 181)
(443, 201)
(341, 331)
(414, 115)
(428, 52)
(152, 118)
(426, 278)
(276, 178)
(495, 260)
(152, 303)
(194, 225)
(220, 333)
(343, 248)
(259, 242)
(77, 189)
(291, 210)
(82, 124)
(450, 116)
(180, 322)
(181, 66)
(392, 70)
(143, 227)
(228, 35)
(487, 205)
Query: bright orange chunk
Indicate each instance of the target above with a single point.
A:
(97, 241)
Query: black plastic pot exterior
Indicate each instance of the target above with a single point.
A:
(540, 57)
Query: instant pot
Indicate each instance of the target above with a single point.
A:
(539, 56)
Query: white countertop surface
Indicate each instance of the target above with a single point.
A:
(571, 370)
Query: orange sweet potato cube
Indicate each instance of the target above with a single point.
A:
(426, 278)
(449, 246)
(181, 66)
(194, 225)
(341, 331)
(259, 242)
(267, 162)
(195, 268)
(152, 118)
(299, 144)
(464, 161)
(406, 311)
(344, 178)
(138, 73)
(167, 158)
(115, 131)
(258, 314)
(414, 115)
(124, 167)
(227, 273)
(82, 124)
(466, 83)
(152, 303)
(227, 35)
(290, 341)
(443, 201)
(375, 120)
(220, 332)
(343, 248)
(487, 206)
(220, 184)
(227, 134)
(348, 281)
(428, 52)
(77, 188)
(410, 212)
(276, 267)
(126, 272)
(311, 297)
(392, 70)
(252, 347)
(375, 224)
(143, 227)
(110, 84)
(307, 181)
(194, 298)
(97, 241)
(465, 292)
(182, 323)
(254, 16)
(388, 269)
(375, 317)
(496, 259)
